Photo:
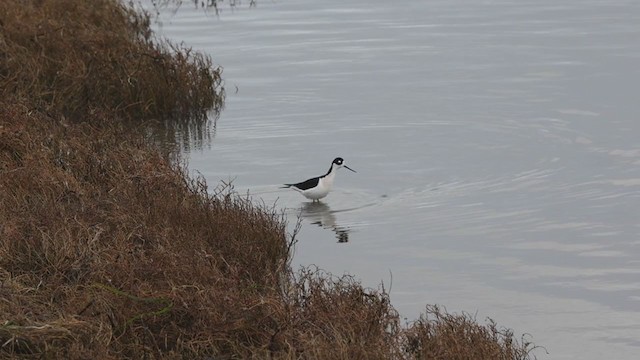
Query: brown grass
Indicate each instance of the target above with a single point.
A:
(71, 56)
(440, 335)
(99, 231)
(108, 250)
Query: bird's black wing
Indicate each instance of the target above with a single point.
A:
(305, 185)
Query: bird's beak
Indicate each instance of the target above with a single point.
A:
(349, 168)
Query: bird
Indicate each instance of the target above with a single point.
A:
(318, 187)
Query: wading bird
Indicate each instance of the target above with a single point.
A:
(318, 187)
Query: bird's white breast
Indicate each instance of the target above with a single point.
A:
(325, 183)
(324, 186)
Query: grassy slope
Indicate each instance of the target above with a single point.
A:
(108, 250)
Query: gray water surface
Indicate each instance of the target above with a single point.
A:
(496, 144)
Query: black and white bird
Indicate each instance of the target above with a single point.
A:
(318, 187)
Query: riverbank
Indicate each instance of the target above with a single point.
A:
(110, 250)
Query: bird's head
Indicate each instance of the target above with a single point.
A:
(339, 162)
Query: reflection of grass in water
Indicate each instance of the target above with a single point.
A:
(215, 5)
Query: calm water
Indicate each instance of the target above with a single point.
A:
(496, 144)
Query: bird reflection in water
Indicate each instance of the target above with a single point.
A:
(320, 214)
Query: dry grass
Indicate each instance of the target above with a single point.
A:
(72, 56)
(108, 250)
(439, 335)
(336, 318)
(100, 233)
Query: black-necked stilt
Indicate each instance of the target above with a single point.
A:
(318, 187)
